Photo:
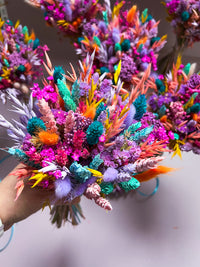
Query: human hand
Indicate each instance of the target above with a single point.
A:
(30, 201)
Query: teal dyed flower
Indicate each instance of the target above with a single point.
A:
(154, 39)
(96, 162)
(76, 92)
(104, 69)
(21, 156)
(34, 124)
(80, 39)
(80, 173)
(141, 106)
(118, 47)
(130, 185)
(195, 108)
(62, 88)
(36, 43)
(185, 15)
(94, 131)
(58, 71)
(21, 68)
(160, 85)
(69, 103)
(97, 40)
(66, 95)
(106, 188)
(101, 107)
(126, 45)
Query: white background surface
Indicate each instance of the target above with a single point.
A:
(163, 230)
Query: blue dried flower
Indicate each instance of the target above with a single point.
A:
(118, 47)
(94, 131)
(66, 95)
(21, 156)
(34, 124)
(141, 106)
(104, 69)
(96, 162)
(187, 68)
(195, 108)
(80, 39)
(130, 185)
(142, 134)
(80, 173)
(58, 71)
(21, 68)
(160, 85)
(36, 43)
(185, 15)
(162, 111)
(154, 39)
(106, 188)
(76, 92)
(126, 45)
(97, 41)
(134, 127)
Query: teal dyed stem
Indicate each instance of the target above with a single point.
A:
(10, 238)
(3, 159)
(154, 191)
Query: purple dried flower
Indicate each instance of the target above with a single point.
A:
(110, 175)
(62, 187)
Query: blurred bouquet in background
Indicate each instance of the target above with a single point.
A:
(184, 16)
(177, 104)
(68, 16)
(122, 35)
(20, 59)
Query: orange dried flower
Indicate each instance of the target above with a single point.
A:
(153, 173)
(163, 119)
(48, 138)
(90, 112)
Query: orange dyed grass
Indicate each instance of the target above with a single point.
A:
(48, 138)
(153, 173)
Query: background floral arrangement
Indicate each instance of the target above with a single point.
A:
(20, 58)
(122, 35)
(184, 16)
(67, 15)
(177, 104)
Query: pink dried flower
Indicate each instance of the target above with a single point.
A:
(47, 117)
(103, 203)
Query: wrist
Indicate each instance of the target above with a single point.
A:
(7, 203)
(1, 228)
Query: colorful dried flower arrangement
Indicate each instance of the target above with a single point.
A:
(120, 35)
(20, 58)
(184, 16)
(177, 105)
(69, 16)
(89, 138)
(124, 36)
